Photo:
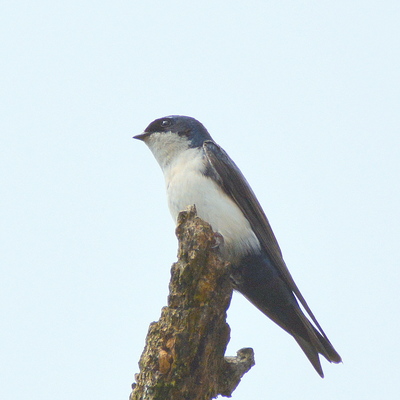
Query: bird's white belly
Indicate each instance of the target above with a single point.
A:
(187, 187)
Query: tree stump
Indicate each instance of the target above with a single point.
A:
(184, 352)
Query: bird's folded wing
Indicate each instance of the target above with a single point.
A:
(224, 171)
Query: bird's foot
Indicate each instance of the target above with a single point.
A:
(218, 240)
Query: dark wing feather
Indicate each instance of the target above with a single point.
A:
(232, 181)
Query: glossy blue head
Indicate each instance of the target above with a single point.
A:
(185, 128)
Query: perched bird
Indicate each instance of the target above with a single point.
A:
(198, 171)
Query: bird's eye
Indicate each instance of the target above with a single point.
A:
(165, 123)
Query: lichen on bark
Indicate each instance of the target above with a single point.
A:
(183, 357)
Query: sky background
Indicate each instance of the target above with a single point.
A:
(303, 95)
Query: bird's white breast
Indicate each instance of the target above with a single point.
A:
(186, 185)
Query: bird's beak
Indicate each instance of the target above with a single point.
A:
(142, 136)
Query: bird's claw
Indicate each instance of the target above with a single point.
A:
(218, 240)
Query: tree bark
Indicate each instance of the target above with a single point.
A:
(183, 357)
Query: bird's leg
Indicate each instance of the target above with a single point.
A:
(218, 240)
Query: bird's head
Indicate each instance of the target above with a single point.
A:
(168, 137)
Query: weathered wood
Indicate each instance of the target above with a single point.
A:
(184, 353)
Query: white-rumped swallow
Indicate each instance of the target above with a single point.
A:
(198, 171)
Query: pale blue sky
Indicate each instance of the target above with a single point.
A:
(304, 96)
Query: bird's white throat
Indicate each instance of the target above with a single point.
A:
(166, 147)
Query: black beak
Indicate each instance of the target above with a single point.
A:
(142, 136)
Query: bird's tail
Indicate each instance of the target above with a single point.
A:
(315, 344)
(262, 284)
(294, 321)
